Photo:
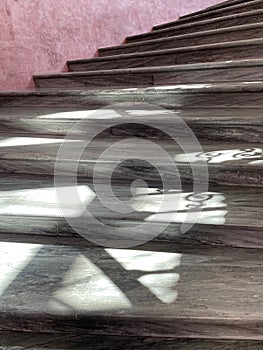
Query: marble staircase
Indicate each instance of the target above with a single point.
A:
(199, 289)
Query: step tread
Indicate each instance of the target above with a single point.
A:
(115, 292)
(192, 24)
(30, 212)
(20, 191)
(256, 86)
(242, 43)
(172, 68)
(240, 70)
(38, 156)
(44, 148)
(188, 35)
(214, 124)
(219, 12)
(212, 95)
(83, 77)
(69, 115)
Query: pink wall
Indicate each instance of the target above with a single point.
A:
(39, 36)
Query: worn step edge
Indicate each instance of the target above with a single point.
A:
(231, 10)
(229, 44)
(206, 33)
(144, 36)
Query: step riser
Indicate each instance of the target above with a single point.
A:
(239, 74)
(217, 175)
(220, 132)
(216, 328)
(197, 27)
(171, 58)
(253, 33)
(221, 12)
(170, 100)
(199, 239)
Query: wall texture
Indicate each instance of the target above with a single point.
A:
(39, 36)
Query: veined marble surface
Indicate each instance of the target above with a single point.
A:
(109, 291)
(208, 124)
(30, 211)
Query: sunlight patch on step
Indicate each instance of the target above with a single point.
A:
(174, 206)
(220, 156)
(250, 82)
(165, 202)
(214, 217)
(162, 286)
(145, 261)
(14, 257)
(257, 162)
(182, 86)
(88, 114)
(44, 201)
(86, 288)
(27, 141)
(142, 113)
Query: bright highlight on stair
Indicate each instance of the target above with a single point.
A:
(44, 202)
(27, 141)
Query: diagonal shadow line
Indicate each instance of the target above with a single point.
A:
(41, 282)
(23, 285)
(130, 286)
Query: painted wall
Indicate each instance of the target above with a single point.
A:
(39, 36)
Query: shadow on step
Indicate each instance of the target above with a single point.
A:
(115, 292)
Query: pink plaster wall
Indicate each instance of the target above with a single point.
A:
(39, 36)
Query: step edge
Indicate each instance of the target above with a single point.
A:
(195, 48)
(158, 69)
(218, 11)
(208, 21)
(211, 32)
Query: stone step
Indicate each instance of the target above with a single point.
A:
(38, 341)
(238, 125)
(33, 211)
(249, 17)
(228, 162)
(227, 11)
(219, 5)
(237, 71)
(99, 291)
(235, 50)
(242, 32)
(213, 95)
